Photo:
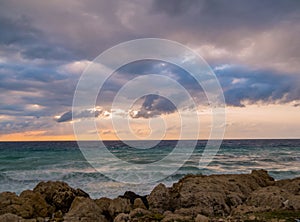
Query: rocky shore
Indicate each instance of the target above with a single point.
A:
(236, 197)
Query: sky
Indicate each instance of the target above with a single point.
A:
(253, 47)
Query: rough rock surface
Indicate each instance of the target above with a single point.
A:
(119, 205)
(246, 197)
(201, 218)
(212, 195)
(58, 194)
(8, 217)
(138, 203)
(27, 205)
(132, 196)
(122, 217)
(159, 199)
(84, 209)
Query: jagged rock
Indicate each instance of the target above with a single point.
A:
(10, 203)
(84, 209)
(138, 203)
(8, 217)
(208, 195)
(122, 218)
(27, 205)
(133, 196)
(216, 194)
(119, 205)
(229, 197)
(201, 218)
(262, 178)
(58, 194)
(159, 199)
(103, 204)
(37, 202)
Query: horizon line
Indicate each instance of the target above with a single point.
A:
(4, 141)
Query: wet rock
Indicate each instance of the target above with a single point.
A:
(58, 194)
(84, 209)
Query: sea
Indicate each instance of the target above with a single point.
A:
(24, 164)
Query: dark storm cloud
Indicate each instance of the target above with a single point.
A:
(17, 31)
(89, 113)
(84, 29)
(18, 34)
(245, 85)
(67, 116)
(153, 105)
(34, 90)
(240, 84)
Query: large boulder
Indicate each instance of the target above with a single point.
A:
(58, 194)
(214, 195)
(40, 207)
(84, 209)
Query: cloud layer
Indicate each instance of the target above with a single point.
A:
(253, 46)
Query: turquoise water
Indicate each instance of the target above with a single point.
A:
(24, 164)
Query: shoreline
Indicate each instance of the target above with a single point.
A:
(221, 197)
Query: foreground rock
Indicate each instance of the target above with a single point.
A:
(58, 194)
(246, 197)
(84, 209)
